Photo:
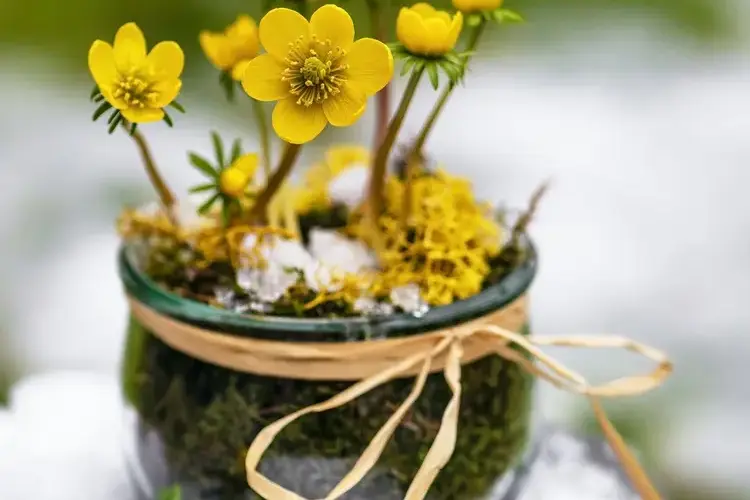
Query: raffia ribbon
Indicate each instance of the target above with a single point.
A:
(373, 363)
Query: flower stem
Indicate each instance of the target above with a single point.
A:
(377, 13)
(375, 195)
(165, 194)
(265, 140)
(474, 37)
(275, 181)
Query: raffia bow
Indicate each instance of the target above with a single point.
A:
(373, 363)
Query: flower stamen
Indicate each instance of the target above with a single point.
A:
(135, 91)
(315, 70)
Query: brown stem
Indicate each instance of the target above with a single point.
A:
(383, 97)
(165, 194)
(275, 182)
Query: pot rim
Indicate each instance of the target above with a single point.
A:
(495, 297)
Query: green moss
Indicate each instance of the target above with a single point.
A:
(207, 416)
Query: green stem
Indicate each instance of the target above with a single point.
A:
(476, 33)
(164, 193)
(380, 164)
(275, 181)
(265, 139)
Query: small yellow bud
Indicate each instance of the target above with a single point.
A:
(477, 5)
(234, 182)
(425, 31)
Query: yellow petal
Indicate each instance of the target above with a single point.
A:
(411, 31)
(102, 64)
(262, 79)
(346, 107)
(437, 36)
(247, 163)
(142, 115)
(243, 37)
(455, 30)
(166, 60)
(217, 49)
(338, 158)
(333, 23)
(370, 65)
(424, 9)
(279, 28)
(167, 91)
(130, 48)
(297, 124)
(233, 182)
(239, 69)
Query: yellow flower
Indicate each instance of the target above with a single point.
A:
(234, 180)
(477, 5)
(428, 32)
(233, 49)
(316, 71)
(139, 85)
(317, 178)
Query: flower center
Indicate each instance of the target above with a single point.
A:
(315, 70)
(135, 91)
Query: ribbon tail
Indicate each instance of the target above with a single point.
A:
(633, 469)
(445, 441)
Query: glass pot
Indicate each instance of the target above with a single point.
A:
(193, 421)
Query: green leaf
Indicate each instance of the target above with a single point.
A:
(432, 72)
(115, 123)
(171, 493)
(103, 107)
(408, 65)
(94, 92)
(473, 20)
(133, 128)
(236, 150)
(176, 105)
(168, 119)
(114, 115)
(218, 149)
(508, 16)
(99, 98)
(202, 188)
(203, 209)
(203, 165)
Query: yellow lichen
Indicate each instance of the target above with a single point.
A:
(446, 243)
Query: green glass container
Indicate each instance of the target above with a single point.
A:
(196, 420)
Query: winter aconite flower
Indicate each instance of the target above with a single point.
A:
(316, 71)
(137, 84)
(233, 49)
(428, 32)
(477, 5)
(235, 179)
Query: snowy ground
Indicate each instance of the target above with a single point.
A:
(645, 233)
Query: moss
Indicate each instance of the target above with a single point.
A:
(207, 416)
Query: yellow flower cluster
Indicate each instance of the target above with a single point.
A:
(447, 243)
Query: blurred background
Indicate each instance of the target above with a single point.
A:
(637, 110)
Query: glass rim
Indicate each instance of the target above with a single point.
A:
(142, 288)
